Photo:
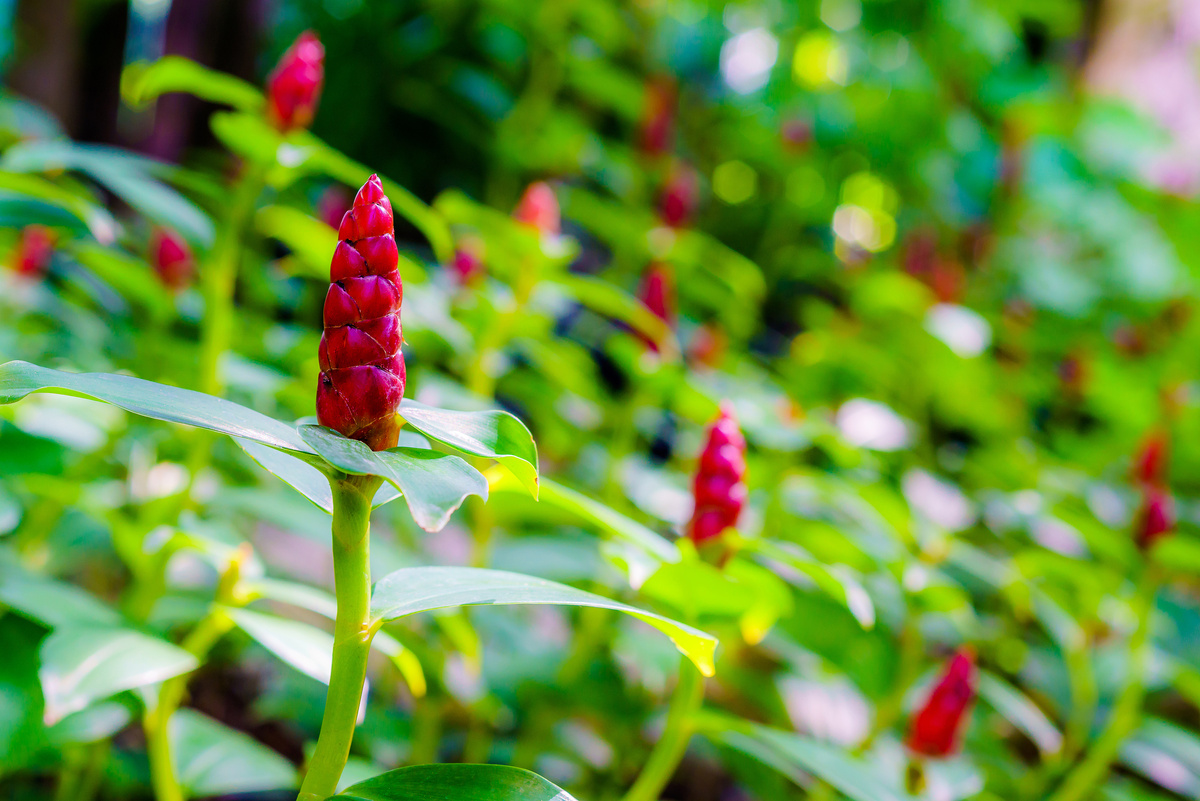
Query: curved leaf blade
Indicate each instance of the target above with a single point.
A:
(148, 399)
(493, 435)
(433, 484)
(421, 589)
(460, 782)
(213, 759)
(301, 476)
(143, 82)
(84, 664)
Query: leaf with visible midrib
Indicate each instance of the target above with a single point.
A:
(457, 782)
(421, 589)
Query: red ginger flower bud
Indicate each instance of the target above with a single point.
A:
(31, 257)
(937, 726)
(719, 487)
(657, 293)
(362, 367)
(680, 197)
(657, 126)
(171, 258)
(1150, 464)
(1155, 518)
(538, 209)
(294, 86)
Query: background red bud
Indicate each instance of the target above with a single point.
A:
(719, 487)
(171, 258)
(538, 208)
(1150, 464)
(362, 366)
(294, 86)
(680, 197)
(1155, 517)
(31, 257)
(936, 729)
(656, 131)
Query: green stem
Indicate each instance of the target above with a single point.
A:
(1089, 773)
(670, 748)
(352, 634)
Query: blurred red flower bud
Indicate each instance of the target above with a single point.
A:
(294, 86)
(719, 487)
(1155, 518)
(797, 135)
(708, 345)
(333, 204)
(656, 130)
(1150, 464)
(467, 265)
(171, 258)
(680, 196)
(31, 257)
(362, 366)
(538, 209)
(657, 293)
(937, 727)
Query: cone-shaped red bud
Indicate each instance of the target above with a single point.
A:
(31, 257)
(467, 266)
(657, 293)
(362, 366)
(1155, 518)
(680, 197)
(538, 209)
(1150, 464)
(294, 86)
(171, 258)
(332, 205)
(656, 130)
(936, 729)
(719, 487)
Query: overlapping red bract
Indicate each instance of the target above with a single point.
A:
(362, 366)
(936, 728)
(1156, 514)
(719, 487)
(171, 258)
(294, 86)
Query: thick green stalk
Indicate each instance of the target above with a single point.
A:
(1081, 783)
(351, 634)
(672, 745)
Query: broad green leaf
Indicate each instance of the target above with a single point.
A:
(433, 484)
(143, 82)
(303, 477)
(1167, 754)
(493, 435)
(157, 401)
(310, 240)
(795, 756)
(322, 603)
(422, 589)
(49, 602)
(92, 724)
(213, 759)
(83, 664)
(456, 782)
(24, 188)
(838, 582)
(1020, 711)
(127, 175)
(304, 647)
(555, 495)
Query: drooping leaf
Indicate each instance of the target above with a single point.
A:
(421, 589)
(493, 435)
(433, 484)
(795, 756)
(303, 477)
(322, 603)
(213, 759)
(49, 602)
(125, 174)
(149, 399)
(1020, 711)
(83, 664)
(457, 782)
(583, 508)
(92, 723)
(143, 82)
(304, 647)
